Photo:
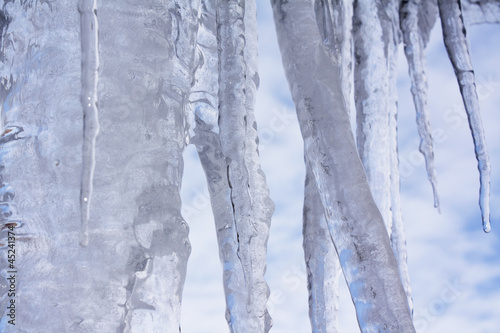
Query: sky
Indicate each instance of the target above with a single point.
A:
(454, 266)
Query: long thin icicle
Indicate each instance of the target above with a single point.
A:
(397, 233)
(204, 100)
(262, 206)
(371, 93)
(322, 262)
(357, 227)
(415, 43)
(90, 66)
(398, 237)
(240, 313)
(376, 37)
(455, 40)
(251, 205)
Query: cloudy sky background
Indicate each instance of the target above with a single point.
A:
(454, 266)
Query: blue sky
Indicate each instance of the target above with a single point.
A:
(454, 267)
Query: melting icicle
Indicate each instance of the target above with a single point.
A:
(414, 41)
(455, 40)
(90, 65)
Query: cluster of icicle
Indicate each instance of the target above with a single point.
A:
(110, 114)
(160, 73)
(340, 217)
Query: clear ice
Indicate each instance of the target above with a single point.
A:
(356, 227)
(455, 40)
(129, 277)
(226, 140)
(158, 72)
(417, 19)
(88, 99)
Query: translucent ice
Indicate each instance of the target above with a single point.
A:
(357, 229)
(88, 98)
(129, 277)
(416, 23)
(454, 35)
(226, 139)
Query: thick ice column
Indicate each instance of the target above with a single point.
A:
(414, 37)
(358, 232)
(144, 93)
(41, 171)
(130, 276)
(322, 262)
(455, 40)
(239, 194)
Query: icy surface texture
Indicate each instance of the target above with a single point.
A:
(356, 225)
(226, 139)
(88, 99)
(455, 40)
(334, 19)
(480, 11)
(322, 262)
(129, 278)
(376, 37)
(249, 197)
(416, 23)
(372, 99)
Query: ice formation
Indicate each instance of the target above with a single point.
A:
(223, 98)
(417, 19)
(161, 71)
(130, 276)
(88, 98)
(454, 35)
(356, 225)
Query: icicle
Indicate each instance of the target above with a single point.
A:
(454, 35)
(398, 238)
(90, 66)
(233, 122)
(335, 27)
(414, 50)
(357, 227)
(262, 207)
(372, 97)
(480, 11)
(322, 262)
(228, 152)
(334, 21)
(204, 98)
